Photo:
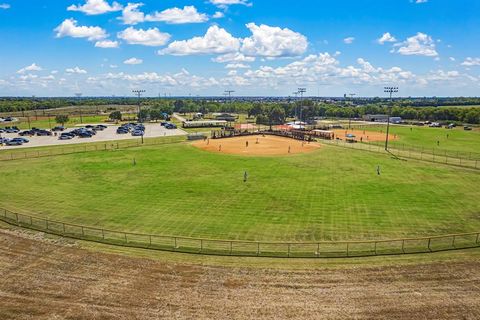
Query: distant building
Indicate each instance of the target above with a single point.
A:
(376, 117)
(381, 118)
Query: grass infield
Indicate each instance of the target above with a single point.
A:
(329, 194)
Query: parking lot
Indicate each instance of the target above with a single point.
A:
(109, 134)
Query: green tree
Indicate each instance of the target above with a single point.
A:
(143, 115)
(116, 115)
(62, 119)
(155, 115)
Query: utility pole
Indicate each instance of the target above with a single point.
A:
(79, 95)
(229, 94)
(139, 95)
(391, 91)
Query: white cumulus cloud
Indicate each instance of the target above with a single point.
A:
(226, 3)
(69, 28)
(133, 61)
(215, 41)
(349, 40)
(470, 62)
(75, 70)
(94, 7)
(32, 67)
(4, 6)
(386, 37)
(233, 57)
(131, 14)
(273, 42)
(106, 44)
(421, 45)
(151, 37)
(188, 14)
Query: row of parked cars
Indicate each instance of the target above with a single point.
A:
(13, 129)
(136, 129)
(86, 132)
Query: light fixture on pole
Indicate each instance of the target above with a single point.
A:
(138, 93)
(391, 91)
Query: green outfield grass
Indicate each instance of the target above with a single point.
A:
(330, 194)
(458, 140)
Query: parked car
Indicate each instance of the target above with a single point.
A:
(11, 129)
(14, 142)
(43, 133)
(435, 125)
(4, 140)
(65, 137)
(59, 128)
(467, 128)
(170, 126)
(137, 133)
(24, 140)
(26, 133)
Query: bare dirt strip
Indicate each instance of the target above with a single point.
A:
(50, 280)
(257, 145)
(364, 135)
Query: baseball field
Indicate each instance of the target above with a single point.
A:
(184, 189)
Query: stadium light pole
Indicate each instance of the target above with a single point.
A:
(138, 93)
(301, 91)
(391, 91)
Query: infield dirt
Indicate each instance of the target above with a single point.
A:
(257, 145)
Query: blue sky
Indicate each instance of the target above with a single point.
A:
(255, 47)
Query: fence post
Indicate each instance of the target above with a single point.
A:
(429, 241)
(149, 240)
(46, 223)
(318, 249)
(403, 245)
(288, 253)
(258, 248)
(83, 233)
(174, 243)
(453, 241)
(347, 248)
(30, 220)
(103, 234)
(201, 245)
(231, 247)
(126, 241)
(375, 247)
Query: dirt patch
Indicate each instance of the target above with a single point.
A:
(364, 135)
(42, 280)
(257, 145)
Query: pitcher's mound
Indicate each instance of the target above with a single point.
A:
(257, 145)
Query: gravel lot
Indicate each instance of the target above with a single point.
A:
(109, 134)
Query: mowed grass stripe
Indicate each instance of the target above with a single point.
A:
(329, 194)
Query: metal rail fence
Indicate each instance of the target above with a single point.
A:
(27, 153)
(323, 249)
(411, 153)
